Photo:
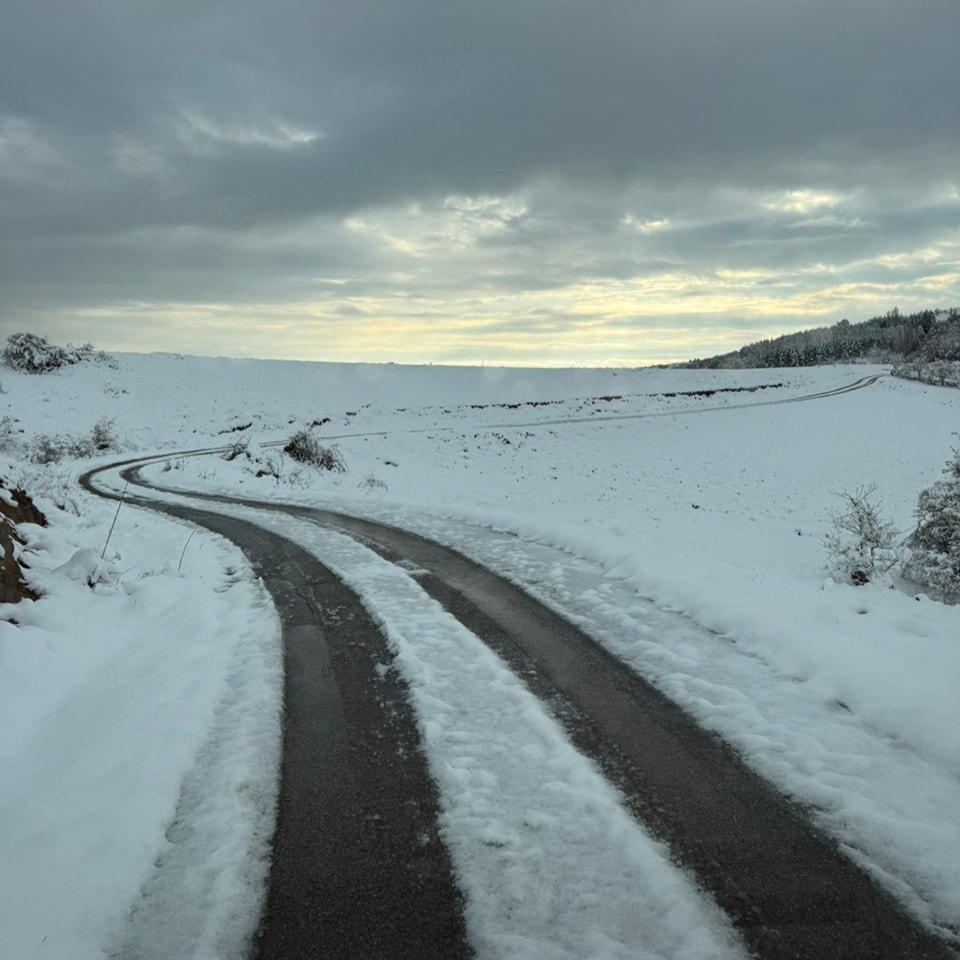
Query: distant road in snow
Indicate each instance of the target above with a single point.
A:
(606, 418)
(353, 874)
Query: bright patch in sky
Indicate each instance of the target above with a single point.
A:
(646, 226)
(803, 201)
(196, 127)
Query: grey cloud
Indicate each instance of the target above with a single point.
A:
(179, 265)
(420, 98)
(206, 151)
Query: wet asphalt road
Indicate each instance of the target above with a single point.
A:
(359, 867)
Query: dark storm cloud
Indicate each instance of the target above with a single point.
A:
(156, 149)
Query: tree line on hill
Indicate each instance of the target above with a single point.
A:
(913, 341)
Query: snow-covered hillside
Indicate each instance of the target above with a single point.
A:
(679, 516)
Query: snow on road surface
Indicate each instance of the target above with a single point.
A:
(845, 696)
(884, 798)
(551, 863)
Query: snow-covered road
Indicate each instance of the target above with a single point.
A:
(549, 859)
(521, 803)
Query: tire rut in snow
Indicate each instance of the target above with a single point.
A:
(359, 868)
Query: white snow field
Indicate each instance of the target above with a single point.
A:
(683, 528)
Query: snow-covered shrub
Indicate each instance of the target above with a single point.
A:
(236, 448)
(942, 373)
(269, 467)
(52, 448)
(16, 507)
(31, 353)
(102, 435)
(331, 459)
(304, 447)
(935, 544)
(861, 544)
(945, 373)
(47, 449)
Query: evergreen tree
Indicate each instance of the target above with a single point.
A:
(935, 544)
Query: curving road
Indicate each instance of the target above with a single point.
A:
(860, 384)
(359, 868)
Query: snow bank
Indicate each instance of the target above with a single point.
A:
(139, 706)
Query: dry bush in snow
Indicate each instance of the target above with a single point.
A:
(304, 447)
(861, 544)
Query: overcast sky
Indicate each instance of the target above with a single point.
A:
(513, 181)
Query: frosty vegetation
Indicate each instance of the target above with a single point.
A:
(862, 545)
(305, 447)
(912, 341)
(31, 353)
(941, 373)
(52, 448)
(935, 544)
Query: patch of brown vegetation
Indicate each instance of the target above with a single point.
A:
(12, 587)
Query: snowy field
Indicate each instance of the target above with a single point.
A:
(678, 516)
